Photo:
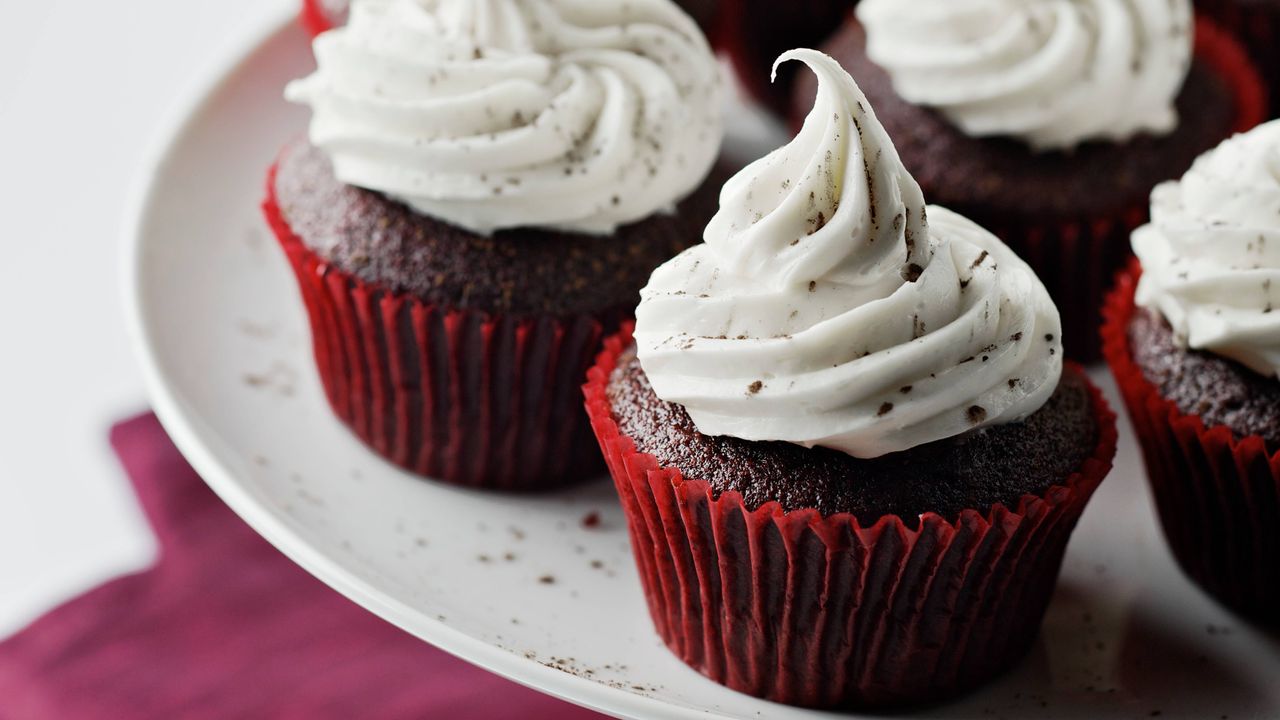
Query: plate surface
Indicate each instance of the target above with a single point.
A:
(529, 587)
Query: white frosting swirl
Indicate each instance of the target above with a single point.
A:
(1211, 254)
(577, 115)
(1053, 73)
(824, 308)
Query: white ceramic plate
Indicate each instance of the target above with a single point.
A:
(519, 585)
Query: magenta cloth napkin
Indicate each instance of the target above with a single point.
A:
(224, 626)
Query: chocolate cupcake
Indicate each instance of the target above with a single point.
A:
(1195, 348)
(752, 32)
(844, 439)
(1051, 125)
(478, 203)
(1256, 23)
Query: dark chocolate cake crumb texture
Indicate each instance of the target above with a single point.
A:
(992, 465)
(1219, 390)
(522, 272)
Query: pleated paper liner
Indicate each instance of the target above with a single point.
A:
(822, 611)
(463, 396)
(1217, 495)
(1256, 23)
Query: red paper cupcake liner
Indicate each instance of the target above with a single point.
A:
(1078, 258)
(318, 16)
(459, 395)
(1257, 25)
(824, 611)
(1218, 496)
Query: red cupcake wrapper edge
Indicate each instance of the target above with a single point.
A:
(319, 16)
(1217, 495)
(460, 395)
(823, 611)
(1220, 48)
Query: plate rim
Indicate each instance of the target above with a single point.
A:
(181, 422)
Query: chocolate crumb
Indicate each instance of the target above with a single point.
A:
(905, 389)
(976, 414)
(813, 285)
(388, 244)
(885, 409)
(547, 580)
(912, 273)
(591, 520)
(755, 387)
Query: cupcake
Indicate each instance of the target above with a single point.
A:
(845, 441)
(484, 190)
(1256, 23)
(1193, 337)
(1050, 122)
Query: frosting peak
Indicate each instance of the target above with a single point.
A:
(489, 114)
(1054, 73)
(829, 306)
(1211, 254)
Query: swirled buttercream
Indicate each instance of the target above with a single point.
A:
(1054, 73)
(1211, 253)
(828, 306)
(576, 115)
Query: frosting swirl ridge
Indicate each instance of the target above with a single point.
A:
(489, 114)
(828, 306)
(1054, 73)
(1211, 253)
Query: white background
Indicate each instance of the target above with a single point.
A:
(85, 88)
